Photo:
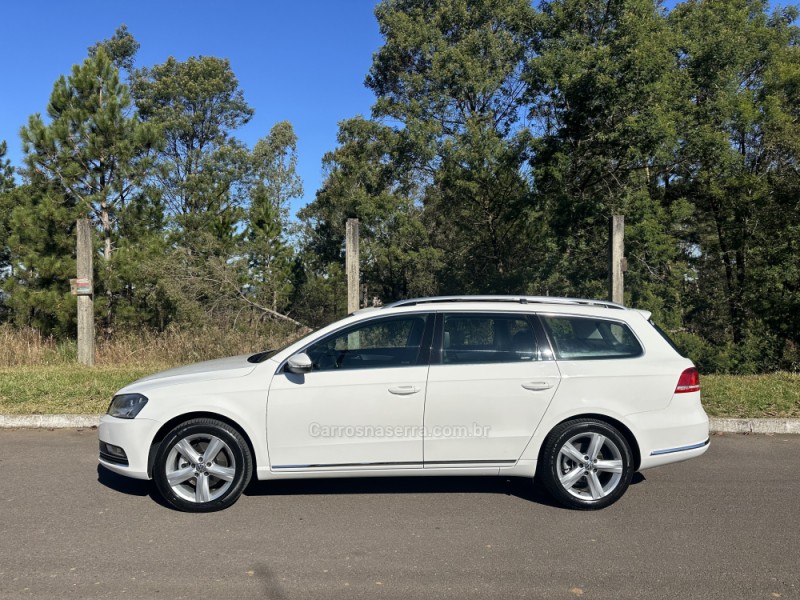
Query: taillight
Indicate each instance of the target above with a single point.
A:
(689, 381)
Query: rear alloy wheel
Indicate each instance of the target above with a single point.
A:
(202, 465)
(586, 464)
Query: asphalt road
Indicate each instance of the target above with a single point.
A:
(726, 525)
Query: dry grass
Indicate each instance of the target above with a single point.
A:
(39, 375)
(177, 346)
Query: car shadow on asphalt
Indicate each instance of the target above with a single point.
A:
(129, 486)
(518, 487)
(509, 486)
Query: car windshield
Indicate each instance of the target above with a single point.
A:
(260, 357)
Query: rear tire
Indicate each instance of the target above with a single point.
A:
(202, 465)
(586, 464)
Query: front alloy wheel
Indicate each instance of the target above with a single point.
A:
(202, 465)
(586, 464)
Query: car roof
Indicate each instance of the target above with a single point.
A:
(584, 306)
(506, 299)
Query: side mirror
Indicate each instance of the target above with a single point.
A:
(299, 363)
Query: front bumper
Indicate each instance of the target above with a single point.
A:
(134, 436)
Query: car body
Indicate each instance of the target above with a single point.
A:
(580, 393)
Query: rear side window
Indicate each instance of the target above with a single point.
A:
(482, 338)
(584, 338)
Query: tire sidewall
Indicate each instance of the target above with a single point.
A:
(555, 442)
(226, 433)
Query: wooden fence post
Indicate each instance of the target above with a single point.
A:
(85, 292)
(352, 265)
(616, 269)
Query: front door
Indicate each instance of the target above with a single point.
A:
(361, 407)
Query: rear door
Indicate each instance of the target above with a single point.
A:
(488, 387)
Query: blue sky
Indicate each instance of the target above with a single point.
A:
(302, 61)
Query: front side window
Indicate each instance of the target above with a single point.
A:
(476, 338)
(582, 338)
(389, 342)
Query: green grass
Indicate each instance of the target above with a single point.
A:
(64, 389)
(776, 395)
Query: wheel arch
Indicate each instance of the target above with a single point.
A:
(177, 420)
(617, 424)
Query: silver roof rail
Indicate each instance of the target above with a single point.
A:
(517, 299)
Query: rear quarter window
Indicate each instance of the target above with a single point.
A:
(585, 338)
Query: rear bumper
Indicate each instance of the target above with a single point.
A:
(677, 433)
(134, 437)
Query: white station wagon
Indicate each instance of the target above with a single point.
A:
(577, 393)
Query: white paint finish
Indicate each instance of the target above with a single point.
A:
(355, 398)
(683, 423)
(130, 435)
(623, 386)
(635, 392)
(222, 368)
(507, 398)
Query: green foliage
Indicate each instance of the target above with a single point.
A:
(7, 184)
(90, 147)
(201, 167)
(450, 73)
(6, 170)
(737, 167)
(363, 181)
(121, 48)
(270, 257)
(96, 154)
(600, 87)
(42, 247)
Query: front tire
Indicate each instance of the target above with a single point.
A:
(202, 465)
(586, 464)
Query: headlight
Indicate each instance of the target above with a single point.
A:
(126, 406)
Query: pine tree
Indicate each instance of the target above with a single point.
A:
(451, 74)
(201, 169)
(7, 184)
(93, 150)
(270, 256)
(366, 179)
(42, 248)
(91, 147)
(601, 87)
(737, 158)
(121, 48)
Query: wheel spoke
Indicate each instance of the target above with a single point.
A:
(226, 473)
(572, 452)
(180, 475)
(213, 448)
(609, 466)
(595, 445)
(185, 448)
(595, 487)
(201, 493)
(571, 478)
